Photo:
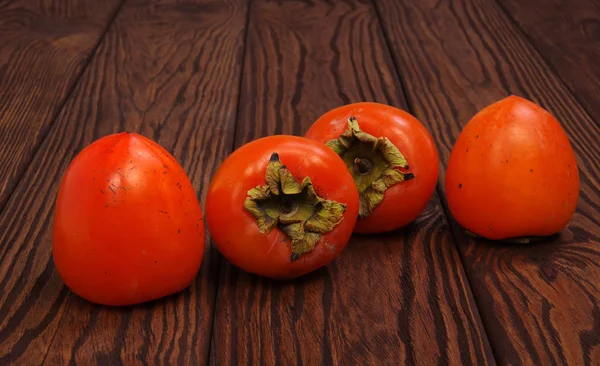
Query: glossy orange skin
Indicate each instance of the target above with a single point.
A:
(403, 202)
(235, 232)
(512, 172)
(127, 224)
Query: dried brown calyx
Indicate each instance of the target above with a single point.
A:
(373, 163)
(293, 207)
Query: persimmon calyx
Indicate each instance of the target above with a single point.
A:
(293, 207)
(373, 163)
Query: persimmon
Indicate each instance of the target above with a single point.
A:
(128, 227)
(391, 157)
(512, 173)
(281, 206)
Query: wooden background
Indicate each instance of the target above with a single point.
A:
(204, 77)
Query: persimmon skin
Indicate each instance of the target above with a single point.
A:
(128, 227)
(404, 201)
(512, 173)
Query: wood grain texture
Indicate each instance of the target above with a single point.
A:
(169, 70)
(396, 298)
(540, 303)
(567, 34)
(44, 46)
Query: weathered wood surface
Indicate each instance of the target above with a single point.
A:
(172, 70)
(44, 46)
(567, 35)
(169, 71)
(539, 303)
(400, 297)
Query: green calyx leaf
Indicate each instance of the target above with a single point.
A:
(293, 207)
(373, 163)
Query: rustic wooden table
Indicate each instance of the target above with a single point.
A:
(203, 77)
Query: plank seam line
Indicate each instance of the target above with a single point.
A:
(75, 83)
(233, 146)
(411, 108)
(525, 36)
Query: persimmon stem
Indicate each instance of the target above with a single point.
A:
(287, 205)
(363, 166)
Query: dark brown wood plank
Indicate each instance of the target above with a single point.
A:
(539, 303)
(567, 34)
(169, 70)
(399, 298)
(44, 46)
